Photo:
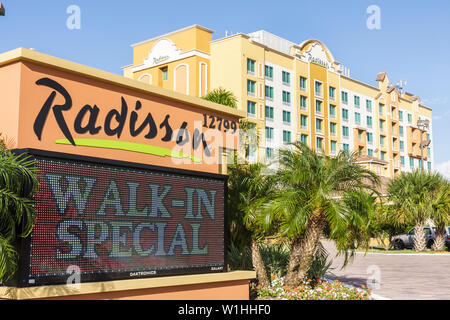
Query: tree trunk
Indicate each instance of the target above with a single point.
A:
(439, 240)
(306, 249)
(259, 266)
(294, 261)
(420, 243)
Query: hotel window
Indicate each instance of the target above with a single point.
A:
(402, 146)
(250, 66)
(409, 118)
(429, 166)
(333, 145)
(382, 141)
(286, 136)
(250, 152)
(429, 152)
(303, 102)
(302, 83)
(303, 122)
(332, 93)
(251, 108)
(269, 112)
(369, 105)
(286, 77)
(318, 89)
(369, 121)
(400, 115)
(428, 136)
(380, 109)
(357, 118)
(269, 153)
(411, 162)
(319, 144)
(369, 137)
(332, 111)
(165, 73)
(383, 155)
(381, 125)
(269, 133)
(420, 163)
(333, 128)
(268, 72)
(318, 106)
(286, 97)
(346, 147)
(357, 102)
(286, 116)
(345, 114)
(319, 125)
(269, 92)
(251, 87)
(344, 97)
(370, 152)
(304, 139)
(402, 161)
(400, 131)
(345, 131)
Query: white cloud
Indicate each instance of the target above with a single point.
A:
(444, 169)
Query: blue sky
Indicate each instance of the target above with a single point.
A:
(413, 43)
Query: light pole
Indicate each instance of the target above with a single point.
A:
(423, 125)
(2, 9)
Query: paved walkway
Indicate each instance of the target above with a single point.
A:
(398, 277)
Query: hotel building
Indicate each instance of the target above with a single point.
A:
(293, 92)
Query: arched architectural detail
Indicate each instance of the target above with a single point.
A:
(146, 78)
(203, 79)
(181, 78)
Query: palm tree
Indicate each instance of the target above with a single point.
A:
(440, 214)
(248, 190)
(412, 195)
(312, 193)
(18, 182)
(222, 96)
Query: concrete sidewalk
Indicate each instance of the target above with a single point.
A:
(399, 276)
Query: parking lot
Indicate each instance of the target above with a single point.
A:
(397, 276)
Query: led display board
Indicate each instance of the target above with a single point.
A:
(113, 220)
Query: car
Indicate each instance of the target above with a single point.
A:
(406, 240)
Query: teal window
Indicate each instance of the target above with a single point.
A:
(400, 115)
(401, 131)
(409, 118)
(269, 153)
(345, 114)
(357, 101)
(369, 121)
(333, 128)
(369, 105)
(165, 73)
(411, 162)
(318, 125)
(268, 71)
(381, 125)
(402, 161)
(304, 139)
(344, 97)
(369, 137)
(286, 136)
(269, 133)
(332, 93)
(345, 131)
(319, 144)
(333, 145)
(251, 86)
(380, 109)
(420, 163)
(357, 117)
(346, 147)
(269, 112)
(370, 152)
(286, 97)
(269, 92)
(382, 141)
(429, 152)
(318, 88)
(286, 77)
(383, 155)
(303, 102)
(302, 83)
(286, 116)
(429, 166)
(318, 106)
(332, 111)
(251, 107)
(250, 66)
(303, 121)
(402, 146)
